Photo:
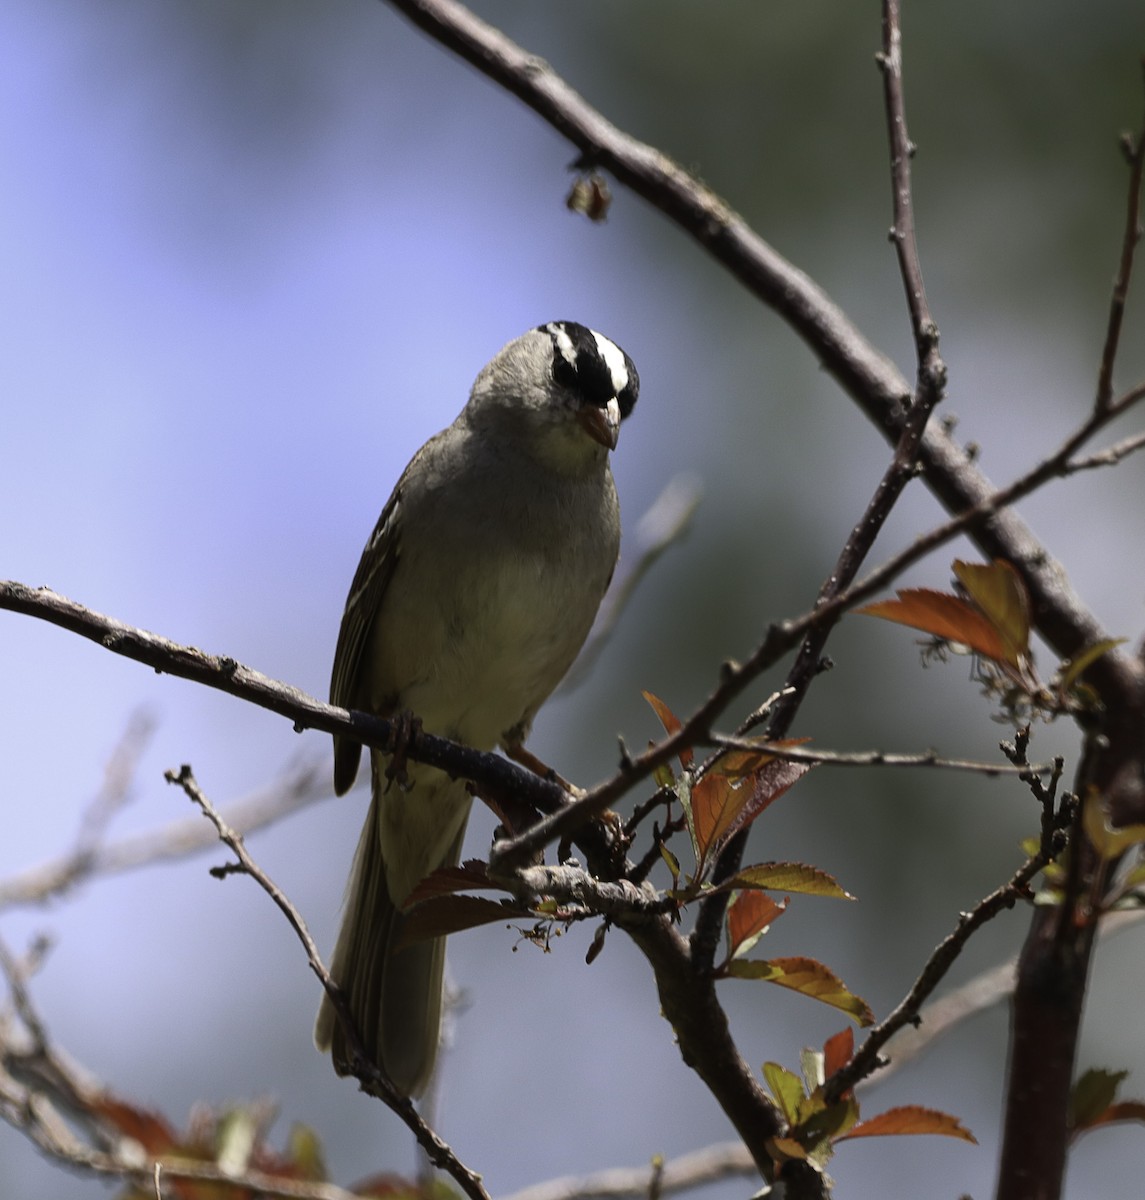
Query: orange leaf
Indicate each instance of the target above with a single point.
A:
(749, 916)
(735, 764)
(943, 616)
(808, 977)
(999, 592)
(910, 1119)
(671, 725)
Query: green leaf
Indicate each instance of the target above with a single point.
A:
(788, 877)
(1071, 669)
(1092, 1094)
(787, 1089)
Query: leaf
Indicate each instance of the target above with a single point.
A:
(149, 1129)
(1092, 1094)
(1108, 840)
(738, 763)
(808, 977)
(943, 616)
(446, 880)
(721, 808)
(1126, 1110)
(787, 1089)
(442, 915)
(673, 864)
(910, 1118)
(749, 916)
(715, 802)
(787, 877)
(1072, 668)
(838, 1051)
(671, 723)
(999, 592)
(304, 1151)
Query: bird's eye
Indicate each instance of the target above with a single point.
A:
(564, 372)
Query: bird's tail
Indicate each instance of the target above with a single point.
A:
(394, 991)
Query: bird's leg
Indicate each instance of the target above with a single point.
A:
(525, 758)
(406, 729)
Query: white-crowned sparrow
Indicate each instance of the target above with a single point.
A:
(474, 594)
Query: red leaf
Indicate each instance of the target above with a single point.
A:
(149, 1129)
(837, 1051)
(447, 880)
(442, 915)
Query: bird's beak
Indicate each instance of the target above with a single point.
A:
(602, 424)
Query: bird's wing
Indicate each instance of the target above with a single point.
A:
(375, 570)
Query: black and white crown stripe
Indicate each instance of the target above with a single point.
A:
(593, 364)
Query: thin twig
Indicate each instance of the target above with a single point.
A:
(902, 152)
(878, 758)
(1135, 153)
(727, 1160)
(371, 1079)
(907, 1012)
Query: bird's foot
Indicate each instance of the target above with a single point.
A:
(406, 729)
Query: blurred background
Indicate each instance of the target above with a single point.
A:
(254, 254)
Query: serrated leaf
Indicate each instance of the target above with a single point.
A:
(997, 589)
(910, 1119)
(443, 915)
(672, 725)
(808, 977)
(1092, 1094)
(749, 916)
(943, 616)
(1071, 670)
(786, 1088)
(787, 877)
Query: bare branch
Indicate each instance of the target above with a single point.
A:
(371, 1078)
(907, 1012)
(304, 783)
(728, 1160)
(902, 231)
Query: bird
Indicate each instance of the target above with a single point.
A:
(473, 596)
